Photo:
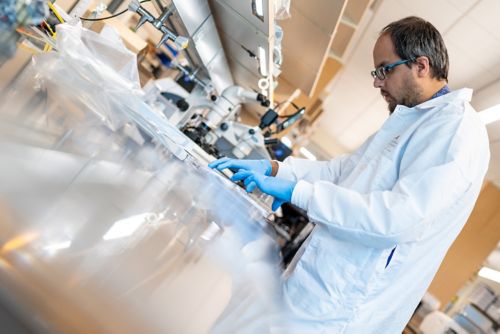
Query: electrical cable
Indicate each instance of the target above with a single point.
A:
(52, 33)
(104, 18)
(292, 115)
(54, 10)
(296, 106)
(277, 104)
(287, 116)
(109, 17)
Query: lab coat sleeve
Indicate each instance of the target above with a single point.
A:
(436, 175)
(296, 169)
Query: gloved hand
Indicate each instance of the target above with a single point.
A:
(280, 189)
(258, 166)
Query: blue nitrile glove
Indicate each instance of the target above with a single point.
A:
(280, 189)
(259, 166)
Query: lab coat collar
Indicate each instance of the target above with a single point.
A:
(464, 94)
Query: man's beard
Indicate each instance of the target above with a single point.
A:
(410, 95)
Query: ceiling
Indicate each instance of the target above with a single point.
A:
(471, 30)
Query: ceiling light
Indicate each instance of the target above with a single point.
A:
(490, 115)
(262, 61)
(259, 8)
(286, 141)
(308, 154)
(490, 274)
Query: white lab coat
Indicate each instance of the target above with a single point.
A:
(412, 185)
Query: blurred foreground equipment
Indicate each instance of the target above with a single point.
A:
(108, 221)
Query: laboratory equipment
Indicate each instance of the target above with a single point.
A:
(219, 123)
(438, 322)
(17, 14)
(211, 121)
(159, 23)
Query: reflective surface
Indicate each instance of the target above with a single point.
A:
(103, 229)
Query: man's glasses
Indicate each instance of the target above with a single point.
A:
(381, 71)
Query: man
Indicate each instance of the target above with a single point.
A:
(387, 213)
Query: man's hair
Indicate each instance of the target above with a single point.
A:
(414, 37)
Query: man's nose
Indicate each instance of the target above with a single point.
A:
(377, 83)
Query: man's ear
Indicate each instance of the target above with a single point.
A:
(423, 66)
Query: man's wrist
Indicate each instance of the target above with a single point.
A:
(274, 167)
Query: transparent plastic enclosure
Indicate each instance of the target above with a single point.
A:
(105, 224)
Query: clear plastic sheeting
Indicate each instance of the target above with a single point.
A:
(103, 228)
(282, 9)
(101, 71)
(96, 74)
